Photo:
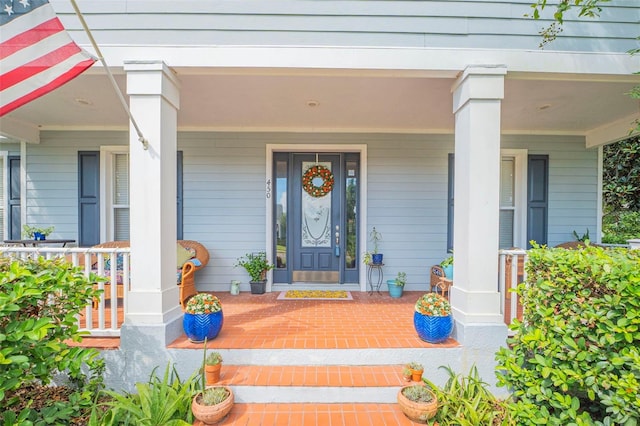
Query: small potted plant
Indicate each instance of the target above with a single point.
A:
(432, 318)
(36, 232)
(418, 402)
(212, 367)
(406, 373)
(257, 265)
(447, 267)
(373, 257)
(416, 371)
(211, 404)
(396, 285)
(203, 317)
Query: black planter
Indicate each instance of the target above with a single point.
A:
(258, 287)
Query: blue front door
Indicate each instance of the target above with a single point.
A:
(316, 218)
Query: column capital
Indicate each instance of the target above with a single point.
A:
(152, 78)
(478, 82)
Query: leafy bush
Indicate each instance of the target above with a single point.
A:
(39, 301)
(575, 358)
(618, 227)
(466, 401)
(162, 401)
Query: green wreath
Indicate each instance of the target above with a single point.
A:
(314, 172)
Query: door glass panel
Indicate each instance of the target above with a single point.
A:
(316, 213)
(281, 214)
(351, 177)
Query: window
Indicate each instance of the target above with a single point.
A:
(513, 200)
(114, 223)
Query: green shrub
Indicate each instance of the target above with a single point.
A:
(575, 357)
(618, 227)
(39, 301)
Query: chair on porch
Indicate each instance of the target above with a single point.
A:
(438, 282)
(197, 259)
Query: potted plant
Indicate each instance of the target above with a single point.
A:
(416, 370)
(203, 317)
(212, 367)
(373, 257)
(396, 285)
(432, 318)
(36, 232)
(211, 404)
(257, 265)
(406, 373)
(447, 266)
(418, 402)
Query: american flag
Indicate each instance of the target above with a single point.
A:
(36, 53)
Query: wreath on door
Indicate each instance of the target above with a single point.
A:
(314, 172)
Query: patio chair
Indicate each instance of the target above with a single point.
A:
(185, 275)
(439, 282)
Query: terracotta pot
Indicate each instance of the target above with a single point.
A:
(416, 375)
(212, 373)
(211, 414)
(419, 412)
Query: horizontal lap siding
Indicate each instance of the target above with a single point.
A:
(52, 177)
(224, 191)
(449, 24)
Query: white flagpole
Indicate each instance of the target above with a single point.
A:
(141, 138)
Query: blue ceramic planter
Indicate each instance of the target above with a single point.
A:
(395, 291)
(199, 326)
(376, 259)
(433, 329)
(448, 271)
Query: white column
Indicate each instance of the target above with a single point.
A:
(477, 96)
(154, 101)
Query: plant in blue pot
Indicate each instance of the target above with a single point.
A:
(432, 318)
(447, 267)
(397, 285)
(203, 317)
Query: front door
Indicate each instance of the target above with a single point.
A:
(315, 233)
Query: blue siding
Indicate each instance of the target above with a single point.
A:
(443, 24)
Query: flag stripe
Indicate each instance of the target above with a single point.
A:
(40, 32)
(42, 79)
(44, 89)
(36, 54)
(39, 65)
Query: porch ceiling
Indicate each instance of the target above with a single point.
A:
(349, 103)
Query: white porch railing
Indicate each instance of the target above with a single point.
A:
(511, 272)
(104, 316)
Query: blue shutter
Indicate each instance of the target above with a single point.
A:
(537, 199)
(13, 199)
(450, 183)
(88, 198)
(179, 196)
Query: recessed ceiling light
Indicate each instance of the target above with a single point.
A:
(312, 103)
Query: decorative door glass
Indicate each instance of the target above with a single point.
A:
(316, 211)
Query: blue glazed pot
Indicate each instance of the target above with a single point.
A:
(448, 271)
(199, 326)
(376, 258)
(433, 329)
(395, 291)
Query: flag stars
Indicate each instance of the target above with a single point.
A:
(8, 9)
(24, 3)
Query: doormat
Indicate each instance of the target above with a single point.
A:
(315, 295)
